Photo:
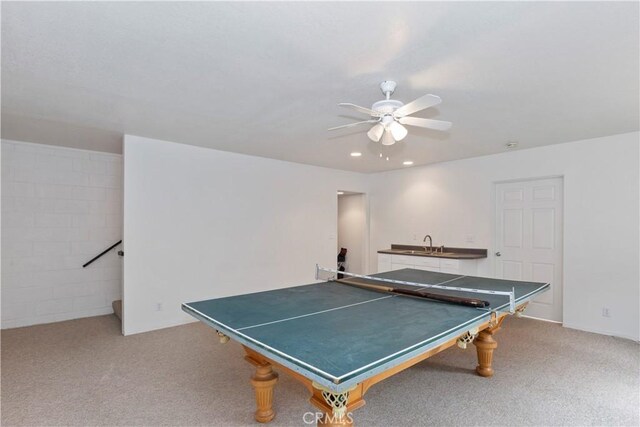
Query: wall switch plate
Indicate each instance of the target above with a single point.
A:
(159, 306)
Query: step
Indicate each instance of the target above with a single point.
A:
(117, 308)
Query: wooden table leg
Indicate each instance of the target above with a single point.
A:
(485, 344)
(264, 382)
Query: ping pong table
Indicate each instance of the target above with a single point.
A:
(339, 339)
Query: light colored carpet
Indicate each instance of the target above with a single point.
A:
(83, 372)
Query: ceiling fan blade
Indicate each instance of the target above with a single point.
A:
(387, 138)
(421, 103)
(375, 133)
(353, 124)
(398, 131)
(364, 110)
(425, 123)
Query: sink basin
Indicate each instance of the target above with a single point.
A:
(434, 253)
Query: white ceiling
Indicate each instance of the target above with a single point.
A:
(264, 78)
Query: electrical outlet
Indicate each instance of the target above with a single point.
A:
(606, 312)
(471, 238)
(415, 237)
(158, 306)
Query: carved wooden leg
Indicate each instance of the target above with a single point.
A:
(263, 382)
(485, 344)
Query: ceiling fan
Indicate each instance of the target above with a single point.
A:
(390, 115)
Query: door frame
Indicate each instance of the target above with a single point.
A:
(494, 217)
(366, 239)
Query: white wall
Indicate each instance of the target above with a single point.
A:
(201, 223)
(60, 207)
(353, 231)
(453, 202)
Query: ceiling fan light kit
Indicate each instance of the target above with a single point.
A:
(387, 139)
(389, 116)
(375, 133)
(397, 130)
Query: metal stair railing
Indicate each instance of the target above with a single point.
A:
(104, 252)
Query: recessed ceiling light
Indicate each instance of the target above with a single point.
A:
(407, 163)
(356, 154)
(340, 193)
(511, 144)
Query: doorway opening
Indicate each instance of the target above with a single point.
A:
(353, 230)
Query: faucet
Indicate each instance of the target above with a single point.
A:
(430, 244)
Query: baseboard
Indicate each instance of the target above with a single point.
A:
(580, 328)
(63, 317)
(541, 319)
(170, 323)
(601, 332)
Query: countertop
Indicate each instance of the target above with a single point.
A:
(448, 252)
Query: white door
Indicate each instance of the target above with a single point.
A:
(529, 239)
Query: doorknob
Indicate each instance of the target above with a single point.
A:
(498, 254)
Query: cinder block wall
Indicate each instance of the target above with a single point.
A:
(60, 208)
